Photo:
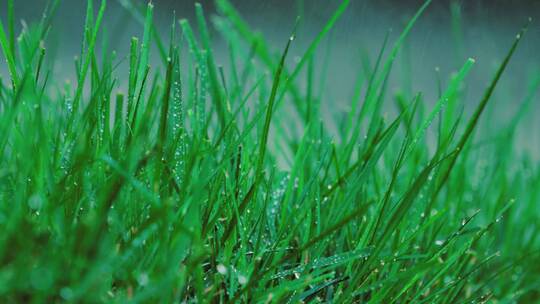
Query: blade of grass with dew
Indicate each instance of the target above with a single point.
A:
(9, 56)
(146, 42)
(314, 45)
(217, 97)
(386, 68)
(476, 116)
(89, 56)
(451, 90)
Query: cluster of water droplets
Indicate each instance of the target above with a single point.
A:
(178, 127)
(65, 161)
(203, 82)
(231, 270)
(69, 105)
(101, 123)
(276, 197)
(327, 262)
(67, 151)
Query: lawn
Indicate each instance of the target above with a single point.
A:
(199, 181)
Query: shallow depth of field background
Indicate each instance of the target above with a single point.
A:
(488, 28)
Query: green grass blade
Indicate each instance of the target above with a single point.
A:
(89, 56)
(146, 42)
(270, 109)
(315, 44)
(448, 93)
(9, 56)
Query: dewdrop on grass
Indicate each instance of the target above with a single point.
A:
(222, 269)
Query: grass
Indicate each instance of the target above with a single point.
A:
(172, 193)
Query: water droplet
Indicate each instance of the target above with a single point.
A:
(242, 280)
(143, 279)
(66, 293)
(35, 202)
(222, 269)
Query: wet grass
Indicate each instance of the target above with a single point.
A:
(172, 192)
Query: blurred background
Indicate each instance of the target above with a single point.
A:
(437, 47)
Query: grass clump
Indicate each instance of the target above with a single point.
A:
(171, 193)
